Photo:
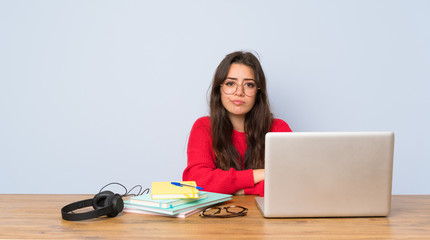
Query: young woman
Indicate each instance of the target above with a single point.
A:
(226, 149)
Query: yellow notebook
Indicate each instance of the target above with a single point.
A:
(166, 190)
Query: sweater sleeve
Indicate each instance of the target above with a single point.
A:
(201, 164)
(278, 125)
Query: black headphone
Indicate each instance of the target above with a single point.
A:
(104, 203)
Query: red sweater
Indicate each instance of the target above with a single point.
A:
(201, 161)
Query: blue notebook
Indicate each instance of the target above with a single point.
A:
(146, 200)
(211, 199)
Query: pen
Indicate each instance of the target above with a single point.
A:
(186, 185)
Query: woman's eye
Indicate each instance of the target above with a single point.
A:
(230, 84)
(250, 85)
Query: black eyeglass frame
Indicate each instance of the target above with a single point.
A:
(230, 214)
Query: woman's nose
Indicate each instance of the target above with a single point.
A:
(239, 90)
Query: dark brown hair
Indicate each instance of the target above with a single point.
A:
(257, 121)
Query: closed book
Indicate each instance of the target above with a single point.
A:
(179, 215)
(166, 190)
(146, 200)
(211, 199)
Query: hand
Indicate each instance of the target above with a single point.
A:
(240, 192)
(258, 175)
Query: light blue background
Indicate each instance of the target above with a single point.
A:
(99, 91)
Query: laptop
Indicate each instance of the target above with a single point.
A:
(333, 174)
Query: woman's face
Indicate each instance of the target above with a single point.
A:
(239, 103)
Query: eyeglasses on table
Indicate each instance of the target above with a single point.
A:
(230, 211)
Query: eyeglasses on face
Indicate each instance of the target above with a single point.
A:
(230, 211)
(229, 87)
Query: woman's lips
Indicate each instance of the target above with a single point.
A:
(238, 102)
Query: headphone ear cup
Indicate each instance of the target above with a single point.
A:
(100, 199)
(118, 204)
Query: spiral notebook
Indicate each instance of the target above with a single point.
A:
(211, 199)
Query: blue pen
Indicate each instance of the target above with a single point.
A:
(186, 185)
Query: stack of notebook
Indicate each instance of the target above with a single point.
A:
(171, 200)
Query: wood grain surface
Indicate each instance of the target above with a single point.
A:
(39, 217)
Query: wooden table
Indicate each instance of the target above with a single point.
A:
(38, 217)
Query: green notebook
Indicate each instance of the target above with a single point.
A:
(146, 200)
(211, 199)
